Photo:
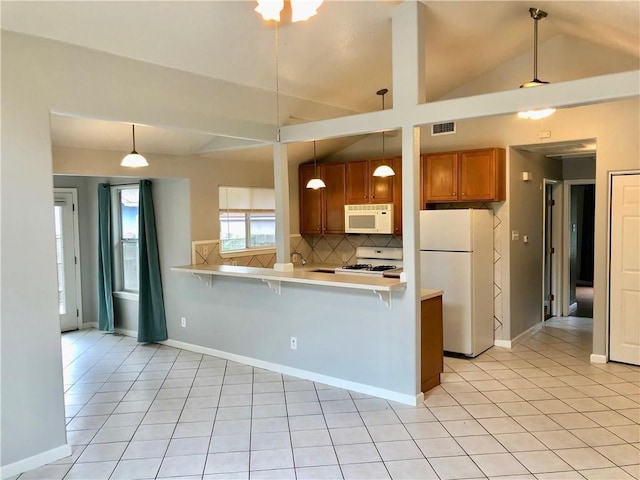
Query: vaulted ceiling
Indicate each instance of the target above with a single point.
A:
(339, 58)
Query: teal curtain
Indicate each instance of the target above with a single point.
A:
(152, 324)
(105, 285)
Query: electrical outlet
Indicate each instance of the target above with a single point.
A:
(344, 258)
(544, 134)
(206, 249)
(294, 343)
(183, 322)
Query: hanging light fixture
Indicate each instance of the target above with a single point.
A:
(536, 14)
(383, 170)
(300, 9)
(316, 182)
(134, 159)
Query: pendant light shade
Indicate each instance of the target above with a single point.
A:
(134, 159)
(316, 182)
(383, 170)
(536, 14)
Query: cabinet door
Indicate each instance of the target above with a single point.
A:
(440, 177)
(358, 182)
(397, 195)
(310, 202)
(380, 188)
(479, 175)
(334, 198)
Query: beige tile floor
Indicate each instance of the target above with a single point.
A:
(538, 411)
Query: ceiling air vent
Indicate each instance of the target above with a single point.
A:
(443, 128)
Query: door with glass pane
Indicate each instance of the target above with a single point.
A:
(66, 260)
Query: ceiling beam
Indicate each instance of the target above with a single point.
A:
(575, 93)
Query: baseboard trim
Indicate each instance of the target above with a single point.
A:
(595, 358)
(403, 398)
(512, 343)
(87, 325)
(531, 329)
(296, 372)
(35, 461)
(127, 333)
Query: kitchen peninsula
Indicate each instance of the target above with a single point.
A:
(381, 286)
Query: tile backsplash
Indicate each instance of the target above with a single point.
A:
(208, 252)
(329, 249)
(341, 249)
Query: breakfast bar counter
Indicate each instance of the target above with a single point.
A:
(382, 286)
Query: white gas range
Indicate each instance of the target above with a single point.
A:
(374, 261)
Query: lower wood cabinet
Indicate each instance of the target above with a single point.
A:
(432, 361)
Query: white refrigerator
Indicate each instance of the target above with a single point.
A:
(456, 255)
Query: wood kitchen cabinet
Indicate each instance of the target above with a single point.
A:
(363, 187)
(464, 176)
(431, 344)
(322, 210)
(396, 164)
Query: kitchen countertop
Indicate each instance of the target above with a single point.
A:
(427, 293)
(300, 274)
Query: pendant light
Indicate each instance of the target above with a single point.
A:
(134, 159)
(536, 14)
(316, 182)
(383, 170)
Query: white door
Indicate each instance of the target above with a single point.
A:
(624, 295)
(66, 260)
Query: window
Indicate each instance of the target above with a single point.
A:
(125, 215)
(247, 218)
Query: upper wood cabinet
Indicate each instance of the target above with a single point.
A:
(310, 202)
(363, 187)
(464, 176)
(333, 198)
(396, 164)
(322, 210)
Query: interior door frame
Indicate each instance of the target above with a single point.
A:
(556, 243)
(566, 234)
(76, 247)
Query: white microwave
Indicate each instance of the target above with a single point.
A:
(368, 218)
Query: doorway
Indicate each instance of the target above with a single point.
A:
(65, 214)
(579, 248)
